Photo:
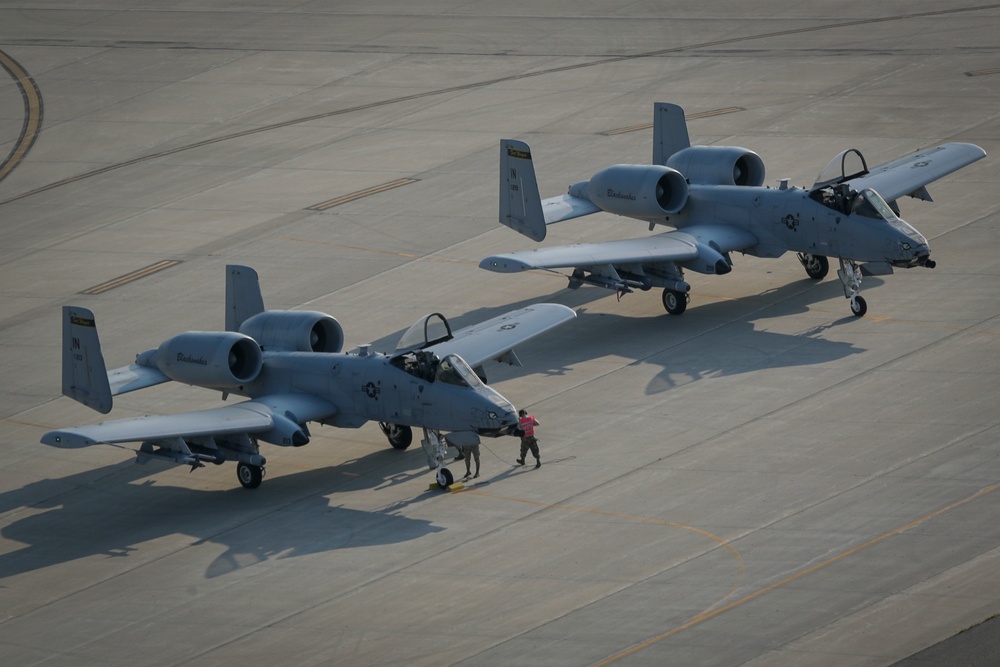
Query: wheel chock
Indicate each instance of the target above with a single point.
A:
(434, 486)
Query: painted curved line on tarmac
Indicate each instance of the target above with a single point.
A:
(491, 82)
(710, 614)
(32, 124)
(724, 543)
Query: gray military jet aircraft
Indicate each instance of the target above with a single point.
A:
(289, 363)
(713, 196)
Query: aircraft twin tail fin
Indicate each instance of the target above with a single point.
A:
(84, 375)
(670, 133)
(243, 298)
(520, 203)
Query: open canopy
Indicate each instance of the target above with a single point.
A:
(428, 330)
(845, 166)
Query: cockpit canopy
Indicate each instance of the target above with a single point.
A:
(454, 370)
(869, 204)
(847, 165)
(428, 330)
(427, 366)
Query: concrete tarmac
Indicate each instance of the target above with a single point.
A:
(764, 480)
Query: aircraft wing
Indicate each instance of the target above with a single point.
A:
(494, 338)
(674, 246)
(250, 417)
(907, 175)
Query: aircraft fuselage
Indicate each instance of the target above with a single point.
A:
(788, 219)
(371, 388)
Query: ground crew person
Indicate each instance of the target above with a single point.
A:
(526, 424)
(470, 452)
(467, 444)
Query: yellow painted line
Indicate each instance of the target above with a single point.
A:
(32, 113)
(18, 422)
(705, 616)
(983, 72)
(405, 255)
(741, 569)
(714, 112)
(130, 277)
(626, 130)
(361, 194)
(692, 116)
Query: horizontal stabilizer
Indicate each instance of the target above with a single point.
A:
(567, 207)
(133, 377)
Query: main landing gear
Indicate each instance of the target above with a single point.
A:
(816, 266)
(250, 476)
(399, 436)
(674, 301)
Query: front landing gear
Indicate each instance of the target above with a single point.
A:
(850, 275)
(444, 478)
(436, 450)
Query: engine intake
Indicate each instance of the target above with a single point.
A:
(639, 190)
(719, 165)
(295, 331)
(218, 360)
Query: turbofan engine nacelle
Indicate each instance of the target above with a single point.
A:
(639, 191)
(215, 359)
(719, 165)
(295, 331)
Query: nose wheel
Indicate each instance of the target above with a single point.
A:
(850, 276)
(436, 449)
(445, 478)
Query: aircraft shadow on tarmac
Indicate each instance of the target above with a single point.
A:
(711, 339)
(103, 512)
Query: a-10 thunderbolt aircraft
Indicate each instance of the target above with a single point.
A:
(713, 196)
(289, 364)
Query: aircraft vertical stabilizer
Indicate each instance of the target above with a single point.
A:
(520, 203)
(85, 377)
(243, 298)
(670, 133)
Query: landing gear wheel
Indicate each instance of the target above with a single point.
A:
(816, 266)
(675, 302)
(445, 478)
(399, 436)
(250, 476)
(859, 306)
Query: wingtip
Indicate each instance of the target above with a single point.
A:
(65, 440)
(503, 264)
